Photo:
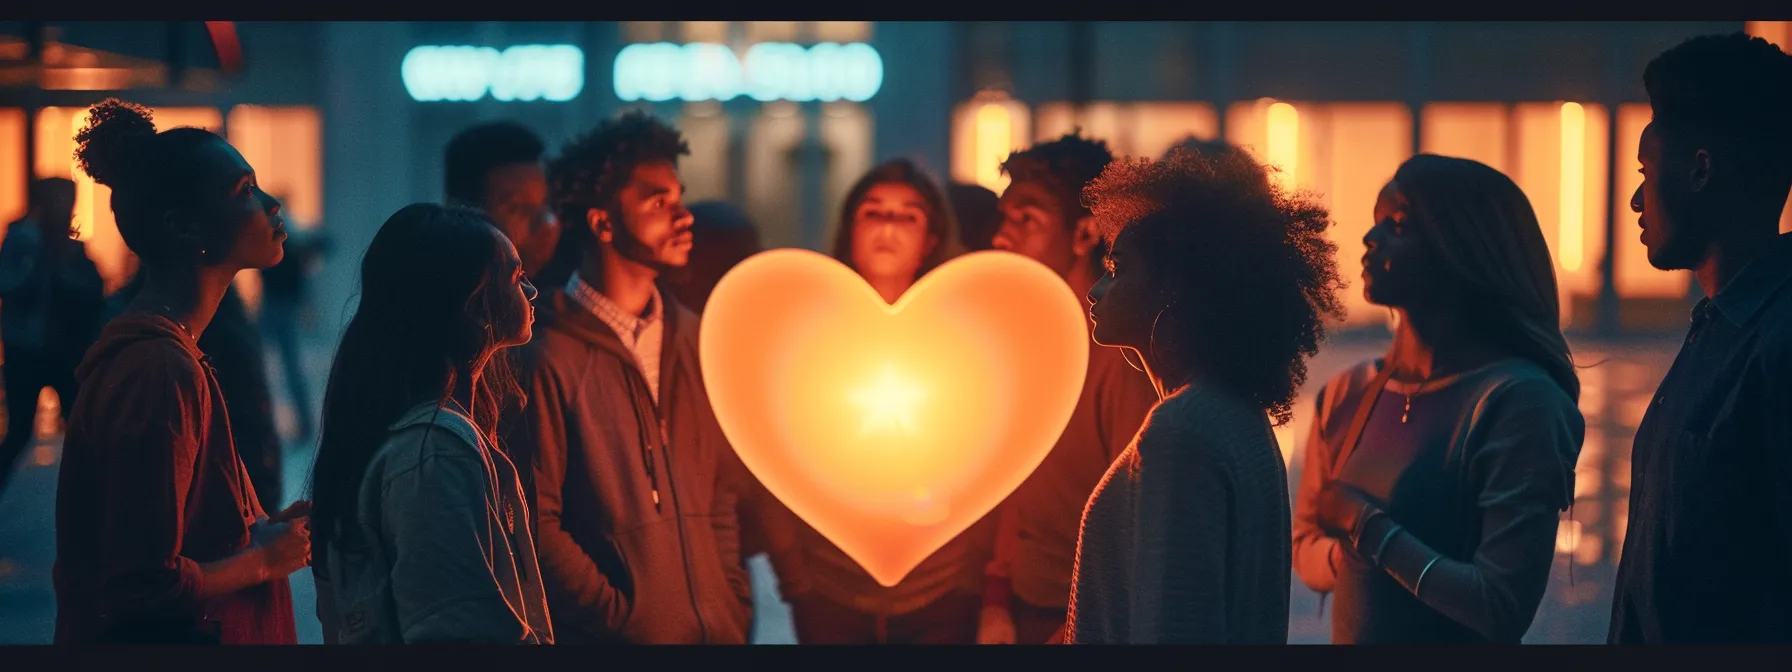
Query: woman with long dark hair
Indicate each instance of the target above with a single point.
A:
(159, 537)
(419, 515)
(1435, 475)
(894, 227)
(1219, 282)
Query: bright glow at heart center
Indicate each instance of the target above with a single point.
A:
(889, 402)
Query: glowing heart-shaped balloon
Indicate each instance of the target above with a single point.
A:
(892, 428)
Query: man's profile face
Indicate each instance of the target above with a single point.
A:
(650, 224)
(516, 198)
(1670, 230)
(1033, 225)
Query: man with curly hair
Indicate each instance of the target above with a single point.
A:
(1043, 217)
(1710, 503)
(636, 489)
(1219, 283)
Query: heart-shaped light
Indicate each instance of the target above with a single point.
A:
(892, 428)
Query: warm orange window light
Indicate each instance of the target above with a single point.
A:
(1476, 131)
(892, 428)
(994, 126)
(12, 165)
(1573, 189)
(93, 222)
(985, 130)
(1283, 146)
(1341, 153)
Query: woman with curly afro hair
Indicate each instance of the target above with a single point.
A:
(159, 537)
(1434, 476)
(1220, 282)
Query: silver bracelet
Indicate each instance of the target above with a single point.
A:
(1383, 547)
(1416, 585)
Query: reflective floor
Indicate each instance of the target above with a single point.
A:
(1619, 379)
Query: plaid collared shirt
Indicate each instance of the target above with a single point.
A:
(640, 334)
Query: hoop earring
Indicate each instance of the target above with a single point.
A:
(1151, 339)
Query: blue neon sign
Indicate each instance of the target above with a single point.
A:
(770, 71)
(550, 72)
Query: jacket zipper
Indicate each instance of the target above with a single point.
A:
(647, 448)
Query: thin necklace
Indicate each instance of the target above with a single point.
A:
(169, 313)
(1407, 412)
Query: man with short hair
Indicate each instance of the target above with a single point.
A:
(636, 489)
(51, 297)
(1028, 590)
(496, 167)
(1710, 500)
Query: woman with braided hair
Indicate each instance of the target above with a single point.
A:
(159, 536)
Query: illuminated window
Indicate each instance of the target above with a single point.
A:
(1130, 129)
(1633, 276)
(705, 170)
(1475, 131)
(773, 147)
(843, 31)
(93, 223)
(985, 131)
(704, 31)
(1554, 140)
(13, 200)
(1777, 32)
(773, 31)
(1157, 126)
(1344, 153)
(847, 131)
(1098, 120)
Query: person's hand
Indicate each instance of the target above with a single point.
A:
(1340, 508)
(285, 545)
(995, 626)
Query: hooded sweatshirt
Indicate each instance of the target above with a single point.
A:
(150, 488)
(637, 500)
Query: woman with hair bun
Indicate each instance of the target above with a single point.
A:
(159, 536)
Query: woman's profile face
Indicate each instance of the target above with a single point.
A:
(890, 236)
(1123, 303)
(1397, 272)
(514, 322)
(244, 214)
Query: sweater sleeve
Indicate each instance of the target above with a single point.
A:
(1524, 469)
(1178, 563)
(1315, 553)
(436, 520)
(580, 597)
(734, 513)
(151, 436)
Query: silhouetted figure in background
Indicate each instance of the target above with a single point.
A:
(50, 301)
(496, 167)
(1710, 501)
(721, 236)
(977, 214)
(285, 314)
